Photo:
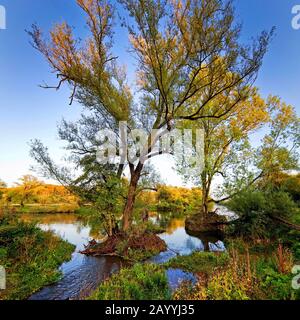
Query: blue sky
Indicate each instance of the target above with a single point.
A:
(27, 111)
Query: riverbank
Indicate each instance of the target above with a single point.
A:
(244, 272)
(249, 271)
(187, 261)
(30, 256)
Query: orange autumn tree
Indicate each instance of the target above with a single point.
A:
(185, 49)
(30, 190)
(26, 187)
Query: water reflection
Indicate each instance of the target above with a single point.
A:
(83, 274)
(177, 276)
(179, 242)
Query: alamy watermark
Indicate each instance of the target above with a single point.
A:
(2, 278)
(2, 17)
(296, 17)
(296, 279)
(124, 145)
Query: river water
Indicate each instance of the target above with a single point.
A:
(82, 274)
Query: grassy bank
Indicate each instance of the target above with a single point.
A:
(246, 273)
(141, 282)
(30, 256)
(199, 262)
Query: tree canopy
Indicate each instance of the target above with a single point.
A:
(191, 66)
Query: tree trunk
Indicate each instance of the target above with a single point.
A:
(205, 193)
(204, 201)
(128, 209)
(205, 178)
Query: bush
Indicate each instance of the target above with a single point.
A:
(256, 210)
(275, 285)
(141, 282)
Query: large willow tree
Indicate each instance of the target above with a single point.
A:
(185, 50)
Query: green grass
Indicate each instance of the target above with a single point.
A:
(141, 282)
(31, 258)
(199, 262)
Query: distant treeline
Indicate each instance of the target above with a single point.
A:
(34, 194)
(168, 198)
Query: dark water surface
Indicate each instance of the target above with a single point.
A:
(83, 274)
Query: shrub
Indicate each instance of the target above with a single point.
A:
(275, 285)
(257, 209)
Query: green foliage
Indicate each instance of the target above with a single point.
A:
(272, 269)
(30, 256)
(276, 285)
(226, 279)
(296, 250)
(292, 186)
(106, 202)
(199, 262)
(109, 202)
(289, 184)
(141, 282)
(250, 208)
(154, 228)
(257, 209)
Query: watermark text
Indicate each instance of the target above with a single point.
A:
(186, 145)
(2, 278)
(2, 18)
(296, 279)
(296, 17)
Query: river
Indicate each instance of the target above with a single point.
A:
(82, 274)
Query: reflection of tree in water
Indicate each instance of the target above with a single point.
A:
(65, 218)
(174, 224)
(169, 220)
(207, 239)
(95, 224)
